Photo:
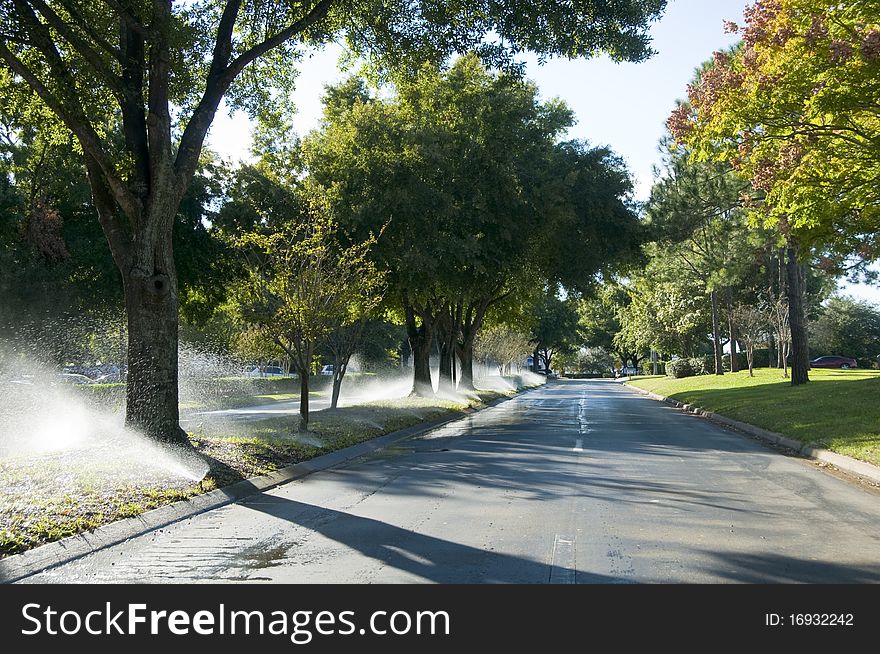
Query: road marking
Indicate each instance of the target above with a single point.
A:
(563, 567)
(578, 445)
(583, 423)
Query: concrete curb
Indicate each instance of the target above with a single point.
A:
(861, 469)
(18, 566)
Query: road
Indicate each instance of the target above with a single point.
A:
(576, 482)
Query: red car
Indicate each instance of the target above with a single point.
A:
(834, 362)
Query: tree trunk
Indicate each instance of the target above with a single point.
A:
(340, 366)
(122, 350)
(422, 384)
(447, 355)
(420, 340)
(405, 353)
(466, 358)
(800, 360)
(770, 350)
(151, 303)
(782, 337)
(547, 356)
(731, 328)
(470, 321)
(750, 356)
(455, 375)
(304, 374)
(783, 356)
(716, 338)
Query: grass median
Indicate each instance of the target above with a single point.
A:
(837, 409)
(51, 496)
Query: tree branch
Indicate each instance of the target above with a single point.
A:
(223, 46)
(315, 14)
(81, 128)
(130, 20)
(80, 46)
(220, 79)
(134, 125)
(83, 24)
(112, 226)
(158, 117)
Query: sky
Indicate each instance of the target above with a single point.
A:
(621, 105)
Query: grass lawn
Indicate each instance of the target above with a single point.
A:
(838, 410)
(242, 400)
(52, 496)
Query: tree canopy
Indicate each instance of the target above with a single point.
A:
(794, 107)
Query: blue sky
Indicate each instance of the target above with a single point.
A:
(622, 105)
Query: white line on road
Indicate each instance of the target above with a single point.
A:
(563, 566)
(583, 423)
(579, 445)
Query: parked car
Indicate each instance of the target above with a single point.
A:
(327, 370)
(73, 378)
(834, 362)
(265, 371)
(109, 378)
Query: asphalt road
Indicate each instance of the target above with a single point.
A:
(577, 482)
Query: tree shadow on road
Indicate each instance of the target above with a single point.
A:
(767, 568)
(427, 557)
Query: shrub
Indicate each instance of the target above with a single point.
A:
(703, 365)
(679, 368)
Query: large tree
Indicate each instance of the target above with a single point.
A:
(794, 107)
(454, 242)
(160, 71)
(695, 212)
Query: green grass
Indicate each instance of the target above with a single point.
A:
(838, 410)
(231, 401)
(55, 502)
